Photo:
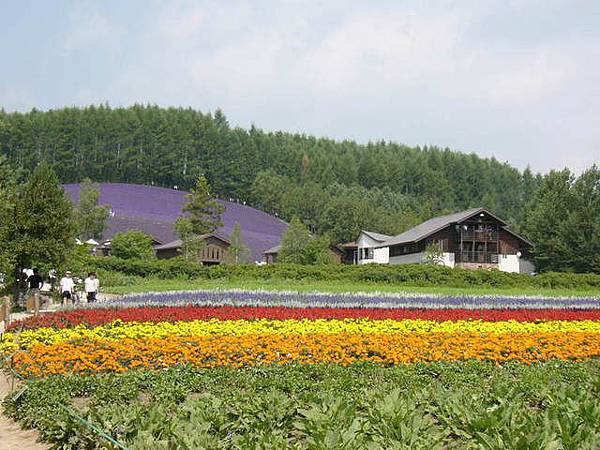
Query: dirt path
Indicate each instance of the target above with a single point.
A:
(12, 437)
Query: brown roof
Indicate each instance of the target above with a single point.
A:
(178, 243)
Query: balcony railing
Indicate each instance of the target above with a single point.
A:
(480, 235)
(476, 257)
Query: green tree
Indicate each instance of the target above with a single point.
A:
(203, 211)
(580, 230)
(238, 251)
(191, 243)
(563, 221)
(203, 217)
(91, 217)
(132, 244)
(293, 243)
(299, 247)
(433, 254)
(546, 211)
(8, 190)
(316, 251)
(283, 173)
(42, 231)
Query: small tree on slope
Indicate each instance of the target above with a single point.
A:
(203, 217)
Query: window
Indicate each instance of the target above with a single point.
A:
(366, 253)
(396, 250)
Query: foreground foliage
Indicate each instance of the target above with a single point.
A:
(469, 405)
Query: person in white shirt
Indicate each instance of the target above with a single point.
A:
(91, 287)
(66, 287)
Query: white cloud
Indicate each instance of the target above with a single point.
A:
(379, 47)
(456, 75)
(89, 28)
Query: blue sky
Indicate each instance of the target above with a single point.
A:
(518, 80)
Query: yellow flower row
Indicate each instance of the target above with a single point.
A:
(119, 330)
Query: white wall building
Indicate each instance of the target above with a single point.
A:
(474, 238)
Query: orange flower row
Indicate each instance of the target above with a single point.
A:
(91, 355)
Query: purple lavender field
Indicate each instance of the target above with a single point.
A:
(155, 209)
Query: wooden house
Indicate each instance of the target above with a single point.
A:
(474, 238)
(215, 250)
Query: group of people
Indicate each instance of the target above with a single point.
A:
(90, 285)
(33, 283)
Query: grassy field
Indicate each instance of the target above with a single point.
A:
(132, 285)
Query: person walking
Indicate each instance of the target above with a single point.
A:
(91, 284)
(35, 283)
(66, 287)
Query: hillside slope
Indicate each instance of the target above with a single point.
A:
(155, 209)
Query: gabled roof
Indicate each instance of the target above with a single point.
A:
(377, 236)
(435, 224)
(178, 242)
(272, 250)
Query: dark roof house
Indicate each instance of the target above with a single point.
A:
(475, 238)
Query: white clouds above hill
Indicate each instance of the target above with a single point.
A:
(517, 80)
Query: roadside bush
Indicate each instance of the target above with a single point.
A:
(409, 275)
(132, 244)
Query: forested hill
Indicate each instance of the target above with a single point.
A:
(334, 187)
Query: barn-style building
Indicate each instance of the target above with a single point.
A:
(214, 251)
(474, 238)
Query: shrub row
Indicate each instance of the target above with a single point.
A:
(410, 274)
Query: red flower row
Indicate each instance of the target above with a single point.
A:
(94, 317)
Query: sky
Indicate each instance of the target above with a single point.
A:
(516, 80)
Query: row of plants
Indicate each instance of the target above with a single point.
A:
(369, 345)
(468, 405)
(101, 316)
(291, 299)
(229, 328)
(409, 275)
(92, 355)
(118, 330)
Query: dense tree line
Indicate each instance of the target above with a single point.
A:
(335, 188)
(563, 220)
(380, 185)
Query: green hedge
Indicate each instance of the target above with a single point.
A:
(410, 274)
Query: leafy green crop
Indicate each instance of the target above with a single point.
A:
(468, 405)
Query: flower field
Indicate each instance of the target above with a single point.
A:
(285, 370)
(259, 328)
(253, 369)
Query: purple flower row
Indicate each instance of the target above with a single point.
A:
(332, 300)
